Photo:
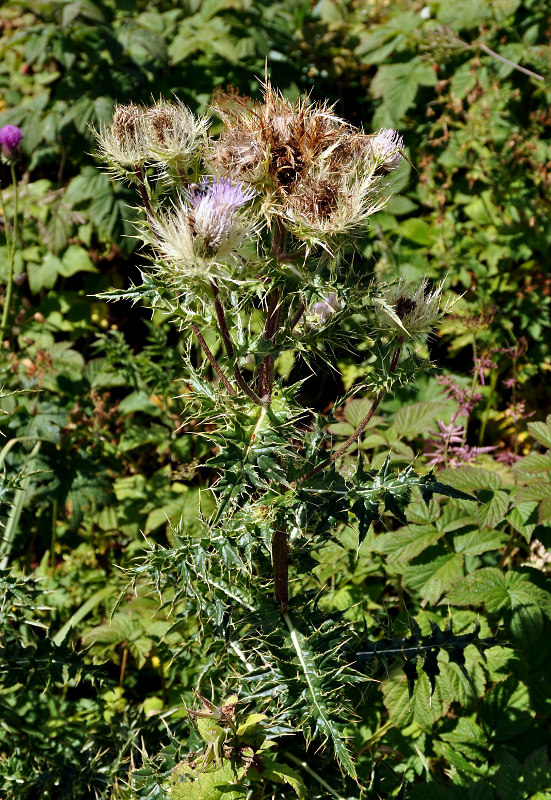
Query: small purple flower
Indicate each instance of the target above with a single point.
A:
(10, 143)
(324, 308)
(214, 203)
(481, 364)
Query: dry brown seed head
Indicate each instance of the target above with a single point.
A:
(126, 122)
(403, 306)
(161, 119)
(237, 153)
(317, 200)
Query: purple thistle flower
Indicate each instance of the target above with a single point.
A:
(324, 308)
(10, 143)
(214, 203)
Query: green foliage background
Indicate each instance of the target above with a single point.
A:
(96, 465)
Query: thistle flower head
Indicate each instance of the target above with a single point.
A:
(274, 142)
(10, 143)
(174, 135)
(204, 232)
(124, 144)
(320, 175)
(322, 309)
(334, 203)
(410, 309)
(213, 206)
(386, 149)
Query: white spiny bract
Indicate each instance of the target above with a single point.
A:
(201, 236)
(386, 149)
(410, 309)
(176, 137)
(167, 136)
(123, 145)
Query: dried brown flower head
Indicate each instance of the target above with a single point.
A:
(276, 141)
(315, 171)
(127, 123)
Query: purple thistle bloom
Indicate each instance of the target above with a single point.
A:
(214, 203)
(10, 143)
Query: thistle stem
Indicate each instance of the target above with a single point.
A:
(273, 316)
(305, 766)
(297, 315)
(359, 430)
(266, 371)
(143, 192)
(214, 363)
(225, 334)
(12, 244)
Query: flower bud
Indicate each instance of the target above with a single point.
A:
(10, 143)
(410, 309)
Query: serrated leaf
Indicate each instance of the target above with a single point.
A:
(76, 259)
(537, 491)
(408, 543)
(477, 542)
(524, 518)
(507, 710)
(397, 702)
(418, 231)
(509, 779)
(428, 706)
(281, 773)
(414, 419)
(325, 723)
(541, 431)
(470, 479)
(535, 462)
(434, 577)
(490, 514)
(497, 591)
(468, 738)
(43, 275)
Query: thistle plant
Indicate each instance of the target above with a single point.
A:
(251, 238)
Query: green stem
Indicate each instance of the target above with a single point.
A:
(54, 534)
(512, 64)
(280, 559)
(11, 256)
(226, 338)
(214, 363)
(304, 765)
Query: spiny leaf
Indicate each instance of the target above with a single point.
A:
(325, 723)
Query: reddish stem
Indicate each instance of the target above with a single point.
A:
(215, 365)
